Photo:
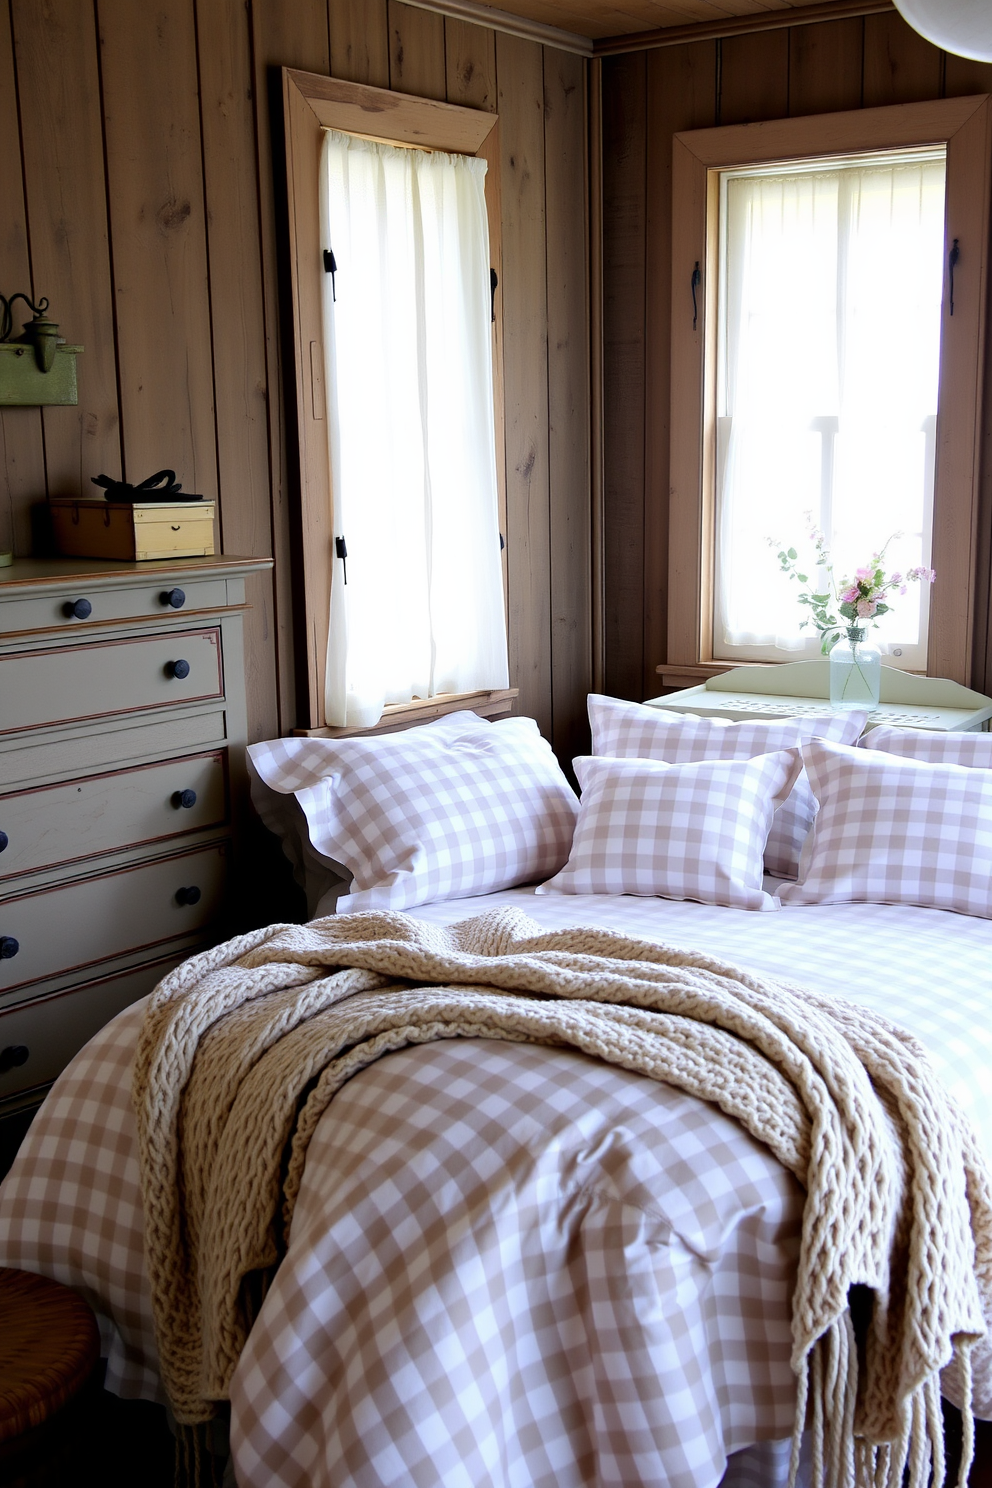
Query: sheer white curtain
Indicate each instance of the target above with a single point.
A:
(827, 390)
(410, 425)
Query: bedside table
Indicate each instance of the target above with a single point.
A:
(801, 687)
(122, 778)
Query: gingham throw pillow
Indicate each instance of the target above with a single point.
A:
(693, 831)
(896, 831)
(973, 750)
(453, 808)
(623, 730)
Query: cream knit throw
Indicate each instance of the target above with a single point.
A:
(244, 1046)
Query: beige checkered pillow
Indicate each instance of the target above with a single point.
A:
(973, 750)
(622, 730)
(896, 831)
(694, 831)
(456, 807)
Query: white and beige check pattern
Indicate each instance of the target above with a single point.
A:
(625, 730)
(972, 750)
(672, 1230)
(695, 831)
(896, 831)
(459, 806)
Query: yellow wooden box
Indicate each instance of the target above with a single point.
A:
(116, 529)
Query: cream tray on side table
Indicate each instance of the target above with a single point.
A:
(799, 687)
(122, 776)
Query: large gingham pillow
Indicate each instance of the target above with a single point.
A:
(622, 730)
(453, 808)
(973, 750)
(895, 831)
(693, 831)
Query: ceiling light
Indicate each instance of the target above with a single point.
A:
(960, 26)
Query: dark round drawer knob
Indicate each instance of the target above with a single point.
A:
(183, 798)
(4, 839)
(8, 947)
(188, 896)
(77, 609)
(174, 597)
(178, 669)
(13, 1057)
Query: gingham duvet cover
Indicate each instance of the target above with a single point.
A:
(510, 1265)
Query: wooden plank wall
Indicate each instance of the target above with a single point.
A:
(140, 195)
(648, 97)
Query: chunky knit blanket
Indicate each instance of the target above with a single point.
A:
(244, 1046)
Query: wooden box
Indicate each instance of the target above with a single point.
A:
(116, 529)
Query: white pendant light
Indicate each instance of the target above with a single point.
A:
(960, 26)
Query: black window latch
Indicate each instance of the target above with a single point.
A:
(331, 267)
(341, 548)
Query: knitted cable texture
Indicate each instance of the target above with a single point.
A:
(244, 1046)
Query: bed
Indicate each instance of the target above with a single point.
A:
(511, 1264)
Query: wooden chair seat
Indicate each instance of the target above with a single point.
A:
(49, 1344)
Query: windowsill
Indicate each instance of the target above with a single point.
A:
(422, 710)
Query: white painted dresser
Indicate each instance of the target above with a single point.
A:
(122, 733)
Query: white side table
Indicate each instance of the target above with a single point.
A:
(799, 687)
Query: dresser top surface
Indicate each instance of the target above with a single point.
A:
(40, 573)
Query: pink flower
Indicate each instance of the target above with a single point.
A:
(895, 578)
(903, 588)
(866, 608)
(850, 595)
(863, 573)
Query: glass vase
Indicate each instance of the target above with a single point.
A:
(855, 671)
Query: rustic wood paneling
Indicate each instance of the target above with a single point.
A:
(470, 65)
(62, 132)
(568, 399)
(238, 328)
(825, 66)
(624, 239)
(520, 78)
(681, 95)
(416, 51)
(754, 77)
(22, 455)
(295, 36)
(899, 66)
(359, 31)
(154, 167)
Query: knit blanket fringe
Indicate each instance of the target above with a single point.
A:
(244, 1046)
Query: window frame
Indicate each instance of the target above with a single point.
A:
(964, 126)
(311, 104)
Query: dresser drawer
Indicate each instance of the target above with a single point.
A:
(37, 1039)
(110, 606)
(59, 930)
(82, 819)
(66, 684)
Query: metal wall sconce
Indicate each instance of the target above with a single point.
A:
(37, 367)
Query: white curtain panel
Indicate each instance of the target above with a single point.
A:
(410, 425)
(827, 398)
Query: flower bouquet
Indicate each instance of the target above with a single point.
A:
(841, 613)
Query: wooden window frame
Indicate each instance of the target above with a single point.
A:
(964, 125)
(311, 104)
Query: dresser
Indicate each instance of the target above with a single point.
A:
(122, 785)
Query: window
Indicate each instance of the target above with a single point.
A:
(828, 349)
(312, 106)
(825, 392)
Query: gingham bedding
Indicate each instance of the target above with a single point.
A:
(512, 1266)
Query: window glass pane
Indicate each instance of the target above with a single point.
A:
(828, 357)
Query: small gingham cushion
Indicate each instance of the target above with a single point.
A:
(453, 808)
(623, 730)
(973, 750)
(693, 831)
(896, 831)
